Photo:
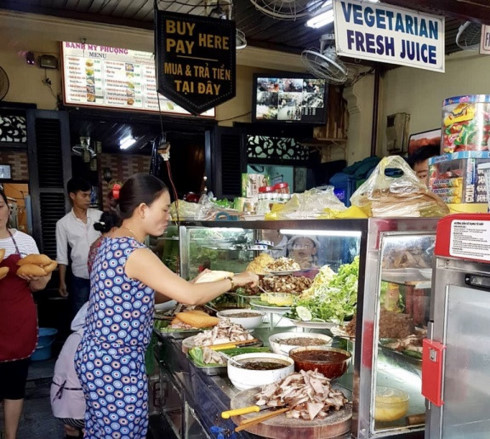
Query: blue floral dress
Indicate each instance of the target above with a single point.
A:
(110, 358)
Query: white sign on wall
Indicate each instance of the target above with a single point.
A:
(389, 34)
(485, 40)
(102, 76)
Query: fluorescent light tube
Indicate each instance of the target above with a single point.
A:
(321, 19)
(342, 233)
(127, 142)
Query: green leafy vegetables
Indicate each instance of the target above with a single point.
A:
(333, 299)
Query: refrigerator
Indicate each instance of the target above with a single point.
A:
(456, 352)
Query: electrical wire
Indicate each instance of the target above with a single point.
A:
(169, 169)
(234, 117)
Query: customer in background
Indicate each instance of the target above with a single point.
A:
(124, 278)
(279, 242)
(108, 222)
(67, 400)
(18, 319)
(419, 161)
(304, 249)
(74, 234)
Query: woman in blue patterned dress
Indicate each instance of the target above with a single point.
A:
(124, 277)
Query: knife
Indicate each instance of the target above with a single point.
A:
(244, 410)
(232, 344)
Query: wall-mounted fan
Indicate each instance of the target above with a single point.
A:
(469, 35)
(4, 83)
(287, 9)
(325, 63)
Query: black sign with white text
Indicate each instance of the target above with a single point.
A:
(195, 60)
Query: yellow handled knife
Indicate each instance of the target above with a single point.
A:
(244, 410)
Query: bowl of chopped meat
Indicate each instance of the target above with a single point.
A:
(284, 342)
(247, 318)
(331, 362)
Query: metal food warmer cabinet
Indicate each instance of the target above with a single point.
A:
(395, 261)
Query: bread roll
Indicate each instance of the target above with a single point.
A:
(35, 259)
(213, 276)
(197, 320)
(50, 267)
(2, 254)
(3, 272)
(31, 270)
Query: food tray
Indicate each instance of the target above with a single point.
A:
(178, 334)
(210, 370)
(403, 356)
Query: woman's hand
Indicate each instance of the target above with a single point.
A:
(36, 283)
(246, 278)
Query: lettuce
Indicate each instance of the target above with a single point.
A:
(335, 299)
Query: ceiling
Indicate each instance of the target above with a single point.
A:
(260, 30)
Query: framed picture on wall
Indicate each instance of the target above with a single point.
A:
(5, 172)
(299, 179)
(424, 138)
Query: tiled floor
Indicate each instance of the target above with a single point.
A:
(38, 422)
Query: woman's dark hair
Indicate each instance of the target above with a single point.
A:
(107, 221)
(139, 188)
(2, 194)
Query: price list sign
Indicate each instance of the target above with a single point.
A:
(113, 77)
(195, 59)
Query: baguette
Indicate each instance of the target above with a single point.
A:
(213, 276)
(35, 259)
(31, 270)
(50, 267)
(2, 254)
(3, 272)
(197, 320)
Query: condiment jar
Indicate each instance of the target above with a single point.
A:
(282, 192)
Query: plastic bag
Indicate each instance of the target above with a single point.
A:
(309, 204)
(394, 190)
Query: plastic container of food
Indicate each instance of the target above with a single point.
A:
(465, 124)
(331, 362)
(390, 404)
(247, 318)
(257, 369)
(284, 342)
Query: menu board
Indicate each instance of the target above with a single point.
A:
(103, 76)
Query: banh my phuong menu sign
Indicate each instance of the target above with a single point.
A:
(103, 76)
(195, 59)
(389, 34)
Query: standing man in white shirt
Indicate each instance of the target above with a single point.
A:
(74, 234)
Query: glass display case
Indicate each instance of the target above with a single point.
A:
(393, 296)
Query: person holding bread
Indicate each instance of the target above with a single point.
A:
(22, 271)
(125, 280)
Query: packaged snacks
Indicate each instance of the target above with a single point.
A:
(465, 124)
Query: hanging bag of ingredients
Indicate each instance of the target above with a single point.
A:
(394, 190)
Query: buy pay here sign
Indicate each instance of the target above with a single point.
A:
(389, 34)
(195, 60)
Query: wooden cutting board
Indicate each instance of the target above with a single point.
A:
(335, 424)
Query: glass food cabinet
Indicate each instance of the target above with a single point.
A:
(395, 266)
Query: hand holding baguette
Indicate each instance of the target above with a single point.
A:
(35, 266)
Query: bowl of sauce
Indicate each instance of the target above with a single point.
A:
(257, 369)
(331, 362)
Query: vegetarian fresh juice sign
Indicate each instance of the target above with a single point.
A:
(389, 34)
(195, 59)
